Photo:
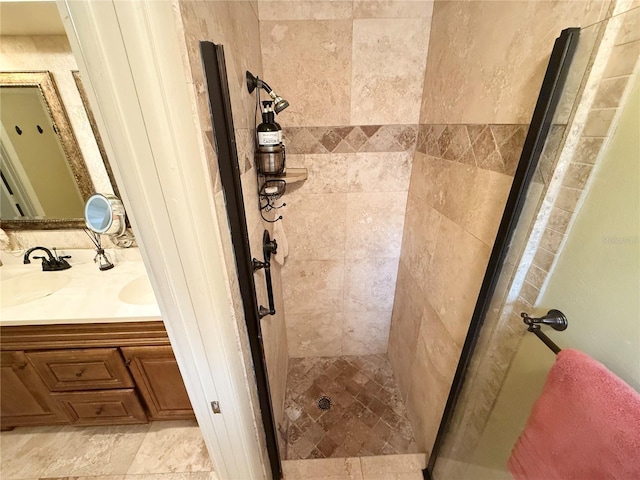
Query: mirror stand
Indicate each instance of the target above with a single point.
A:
(101, 257)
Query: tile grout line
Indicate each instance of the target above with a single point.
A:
(370, 369)
(44, 469)
(133, 458)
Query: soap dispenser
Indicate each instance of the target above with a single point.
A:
(270, 151)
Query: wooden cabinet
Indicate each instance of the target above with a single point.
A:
(156, 373)
(89, 374)
(24, 398)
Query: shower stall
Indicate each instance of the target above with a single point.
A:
(396, 318)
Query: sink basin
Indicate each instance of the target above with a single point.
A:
(32, 286)
(138, 292)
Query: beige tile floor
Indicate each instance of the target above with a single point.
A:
(171, 450)
(387, 467)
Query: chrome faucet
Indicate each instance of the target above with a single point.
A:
(52, 264)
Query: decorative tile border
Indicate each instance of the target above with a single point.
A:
(352, 139)
(492, 147)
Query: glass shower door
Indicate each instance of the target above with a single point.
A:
(575, 248)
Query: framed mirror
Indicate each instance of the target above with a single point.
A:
(45, 181)
(96, 132)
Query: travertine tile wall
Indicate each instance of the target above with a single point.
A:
(490, 57)
(344, 227)
(481, 84)
(459, 184)
(346, 62)
(234, 25)
(353, 74)
(53, 53)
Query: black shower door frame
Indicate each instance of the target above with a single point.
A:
(224, 139)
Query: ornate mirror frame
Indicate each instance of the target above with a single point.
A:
(45, 82)
(96, 132)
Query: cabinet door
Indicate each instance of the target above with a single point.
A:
(24, 398)
(159, 382)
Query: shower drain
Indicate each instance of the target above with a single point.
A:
(324, 403)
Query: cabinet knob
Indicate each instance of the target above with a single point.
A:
(21, 366)
(79, 373)
(99, 411)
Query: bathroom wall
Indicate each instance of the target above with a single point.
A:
(353, 73)
(597, 274)
(53, 53)
(480, 87)
(234, 25)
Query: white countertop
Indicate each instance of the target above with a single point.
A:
(90, 296)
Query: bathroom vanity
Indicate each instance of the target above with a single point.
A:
(91, 351)
(79, 346)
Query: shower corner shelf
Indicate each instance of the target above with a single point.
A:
(292, 175)
(279, 182)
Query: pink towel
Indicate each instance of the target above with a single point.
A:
(584, 426)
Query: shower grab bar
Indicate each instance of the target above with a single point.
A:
(554, 318)
(268, 247)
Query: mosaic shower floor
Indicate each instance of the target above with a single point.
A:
(366, 415)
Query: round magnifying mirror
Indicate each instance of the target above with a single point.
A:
(104, 214)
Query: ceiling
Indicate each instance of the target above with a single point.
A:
(30, 18)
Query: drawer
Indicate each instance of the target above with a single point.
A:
(101, 407)
(86, 369)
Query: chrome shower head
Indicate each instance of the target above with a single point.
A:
(254, 82)
(279, 103)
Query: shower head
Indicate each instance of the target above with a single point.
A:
(254, 82)
(279, 103)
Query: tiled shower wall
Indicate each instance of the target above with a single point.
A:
(481, 84)
(234, 25)
(344, 227)
(353, 73)
(459, 185)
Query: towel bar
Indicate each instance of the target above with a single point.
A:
(554, 318)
